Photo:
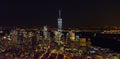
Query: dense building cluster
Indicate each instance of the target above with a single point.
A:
(44, 44)
(22, 43)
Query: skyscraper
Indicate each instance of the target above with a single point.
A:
(59, 22)
(45, 33)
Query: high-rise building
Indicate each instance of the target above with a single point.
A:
(60, 22)
(59, 26)
(45, 32)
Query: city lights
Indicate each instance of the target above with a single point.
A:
(43, 43)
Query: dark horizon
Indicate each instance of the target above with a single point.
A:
(74, 13)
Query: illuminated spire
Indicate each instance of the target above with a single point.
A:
(59, 13)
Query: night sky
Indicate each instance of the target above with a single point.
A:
(74, 13)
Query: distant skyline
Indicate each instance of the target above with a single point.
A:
(74, 13)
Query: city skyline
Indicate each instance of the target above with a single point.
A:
(74, 13)
(53, 29)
